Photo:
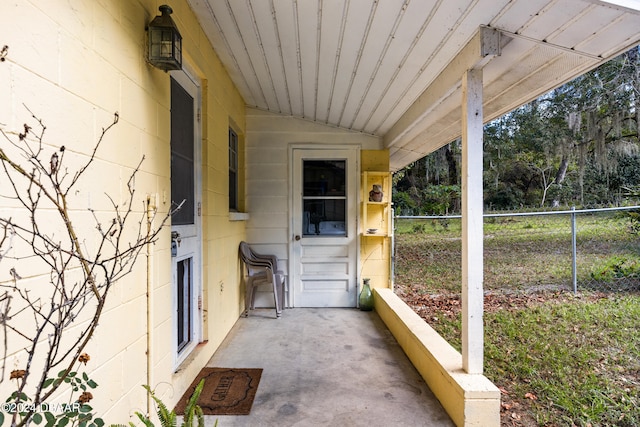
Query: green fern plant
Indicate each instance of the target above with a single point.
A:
(192, 413)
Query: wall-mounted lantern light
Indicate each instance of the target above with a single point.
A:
(165, 41)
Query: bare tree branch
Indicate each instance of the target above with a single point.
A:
(82, 267)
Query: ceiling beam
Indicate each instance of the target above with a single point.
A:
(484, 46)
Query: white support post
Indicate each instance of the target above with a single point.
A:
(472, 224)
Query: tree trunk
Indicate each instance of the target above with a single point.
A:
(562, 170)
(453, 166)
(560, 176)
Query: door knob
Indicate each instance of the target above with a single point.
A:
(297, 237)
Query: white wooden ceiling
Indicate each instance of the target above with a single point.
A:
(375, 66)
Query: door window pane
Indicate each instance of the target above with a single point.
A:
(324, 178)
(324, 198)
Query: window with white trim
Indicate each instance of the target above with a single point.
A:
(233, 171)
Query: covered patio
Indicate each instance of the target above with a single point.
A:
(329, 366)
(394, 81)
(271, 94)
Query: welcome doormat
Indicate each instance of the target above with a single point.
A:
(226, 391)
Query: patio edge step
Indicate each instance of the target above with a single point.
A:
(469, 399)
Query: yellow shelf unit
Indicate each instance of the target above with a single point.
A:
(376, 215)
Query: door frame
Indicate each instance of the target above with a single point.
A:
(294, 250)
(190, 83)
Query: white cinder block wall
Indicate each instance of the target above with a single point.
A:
(269, 139)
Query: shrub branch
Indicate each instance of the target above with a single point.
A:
(80, 276)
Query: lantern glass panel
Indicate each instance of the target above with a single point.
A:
(165, 42)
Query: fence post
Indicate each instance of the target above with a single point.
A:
(574, 268)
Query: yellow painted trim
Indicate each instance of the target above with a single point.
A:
(469, 399)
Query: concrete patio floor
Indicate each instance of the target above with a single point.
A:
(326, 366)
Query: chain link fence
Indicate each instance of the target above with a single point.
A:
(591, 249)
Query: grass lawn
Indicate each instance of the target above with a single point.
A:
(560, 359)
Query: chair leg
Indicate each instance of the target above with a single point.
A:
(250, 297)
(283, 296)
(276, 298)
(254, 290)
(247, 298)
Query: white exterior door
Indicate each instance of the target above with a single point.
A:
(186, 264)
(324, 224)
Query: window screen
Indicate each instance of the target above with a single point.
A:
(324, 198)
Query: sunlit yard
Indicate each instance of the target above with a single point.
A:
(559, 358)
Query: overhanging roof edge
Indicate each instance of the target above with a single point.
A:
(632, 6)
(483, 46)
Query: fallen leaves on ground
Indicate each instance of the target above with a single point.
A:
(515, 411)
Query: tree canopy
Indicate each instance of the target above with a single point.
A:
(576, 145)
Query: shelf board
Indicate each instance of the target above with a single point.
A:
(375, 234)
